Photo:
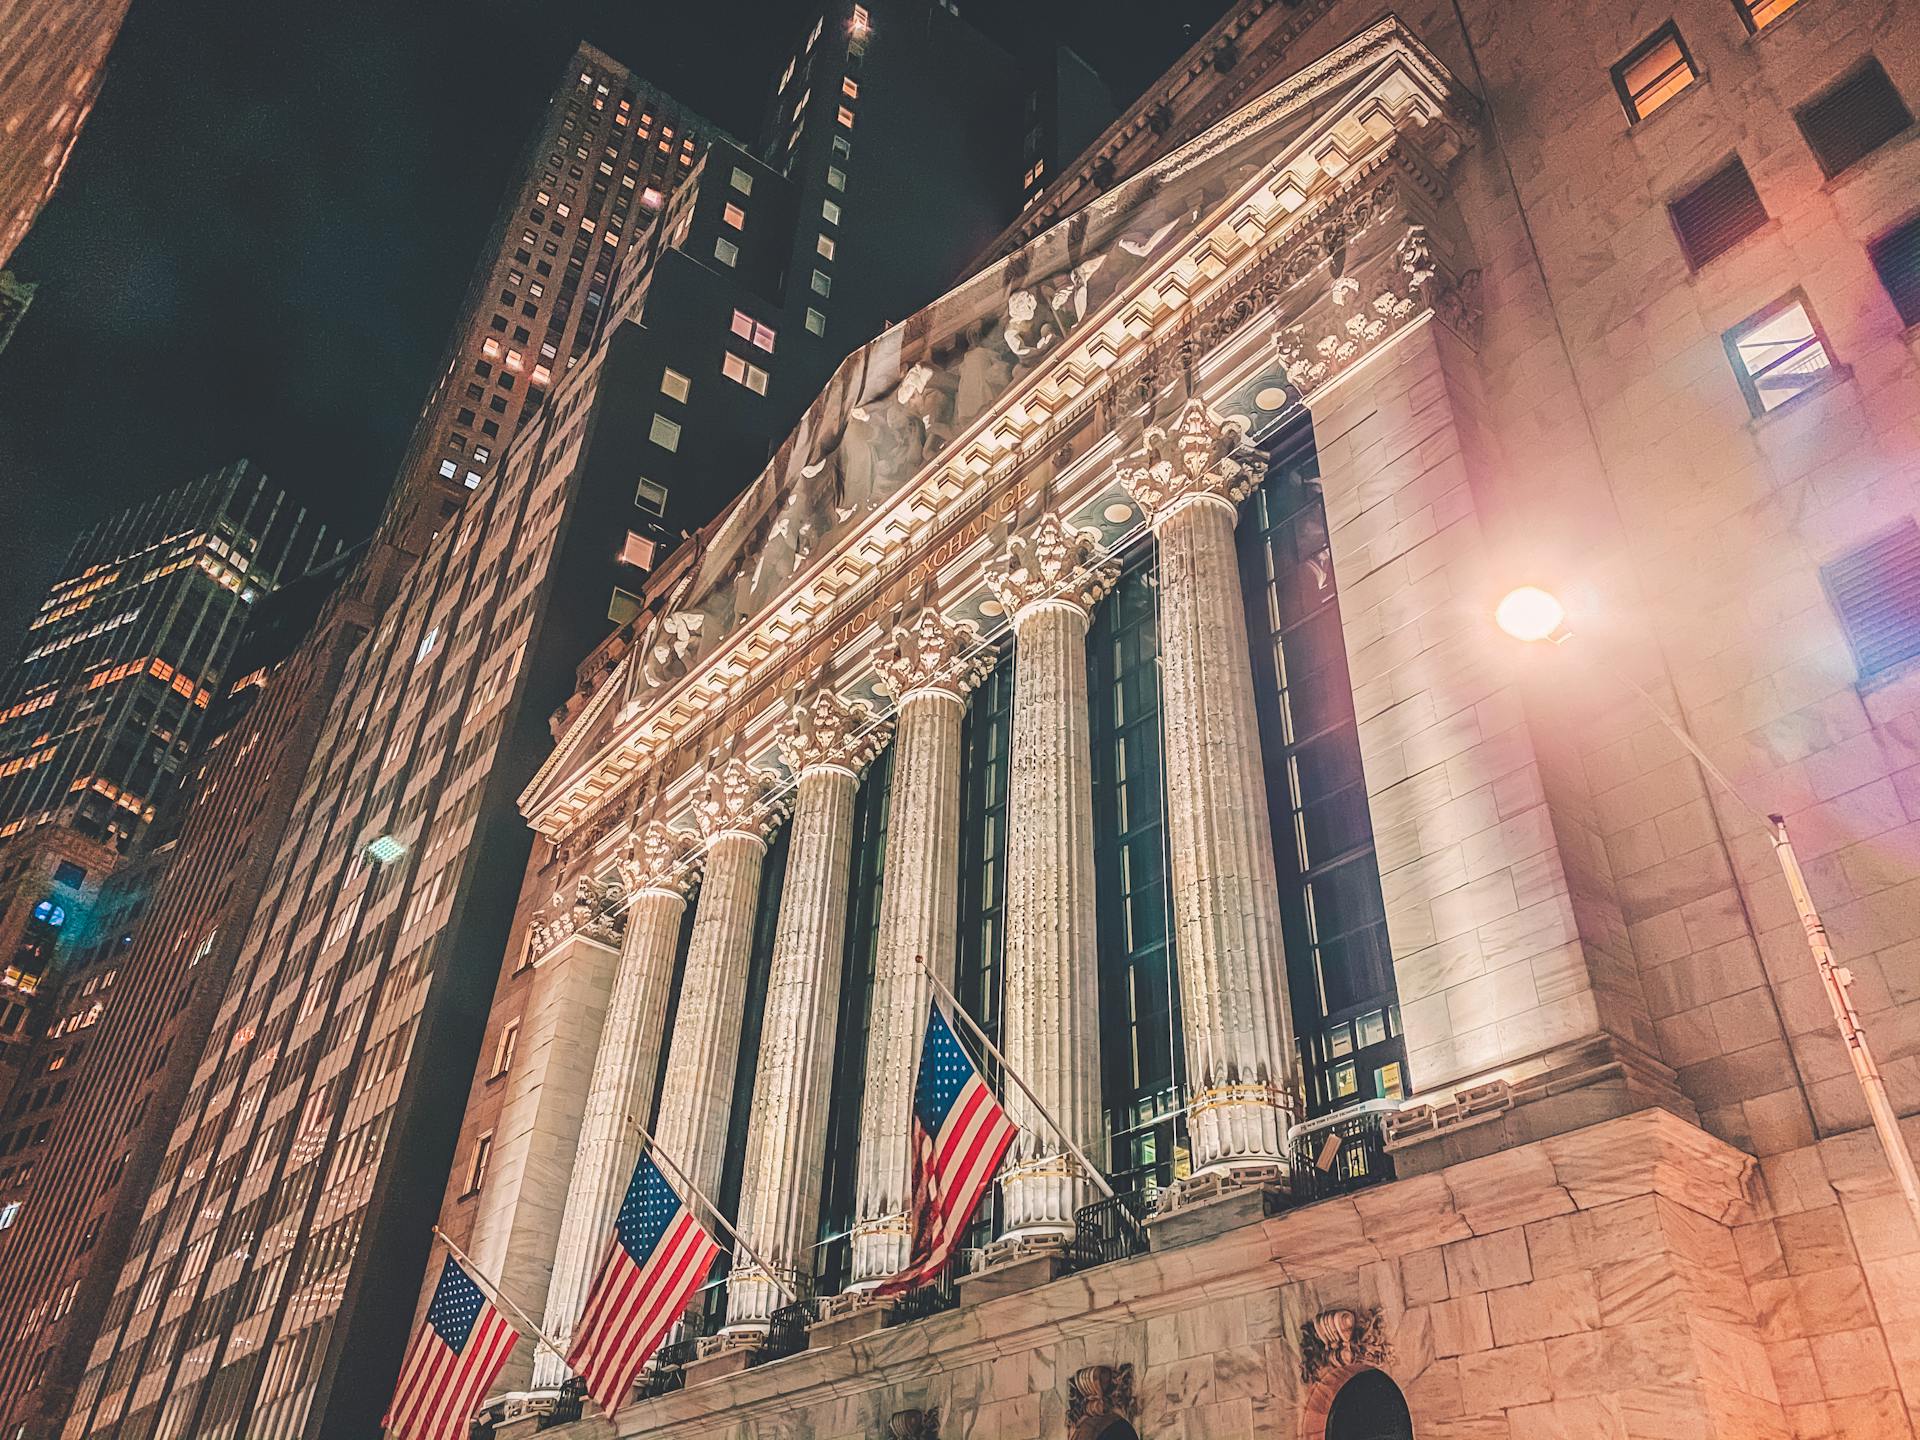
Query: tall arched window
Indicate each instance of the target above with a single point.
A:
(1369, 1407)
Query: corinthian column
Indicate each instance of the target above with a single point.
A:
(696, 1096)
(1048, 581)
(657, 876)
(826, 742)
(1189, 480)
(929, 665)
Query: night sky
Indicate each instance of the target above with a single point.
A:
(268, 224)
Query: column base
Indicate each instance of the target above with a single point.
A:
(1586, 1083)
(1011, 1266)
(1212, 1203)
(846, 1317)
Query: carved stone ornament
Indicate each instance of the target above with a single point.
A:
(1337, 1339)
(1313, 350)
(930, 652)
(1197, 455)
(735, 799)
(1100, 1391)
(657, 859)
(1052, 562)
(592, 910)
(914, 1425)
(831, 731)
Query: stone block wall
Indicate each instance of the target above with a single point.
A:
(1632, 1280)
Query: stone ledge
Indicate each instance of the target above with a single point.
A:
(1649, 1153)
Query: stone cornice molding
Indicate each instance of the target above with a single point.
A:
(828, 732)
(733, 798)
(1051, 563)
(928, 654)
(1197, 458)
(659, 859)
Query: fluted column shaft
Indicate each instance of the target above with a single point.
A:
(787, 1132)
(622, 1086)
(696, 1096)
(1226, 909)
(919, 903)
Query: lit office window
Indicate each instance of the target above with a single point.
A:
(1658, 69)
(665, 433)
(675, 386)
(1779, 354)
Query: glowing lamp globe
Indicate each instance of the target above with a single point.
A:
(1531, 613)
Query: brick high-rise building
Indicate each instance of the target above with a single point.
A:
(52, 53)
(273, 1270)
(608, 150)
(114, 1066)
(1447, 1030)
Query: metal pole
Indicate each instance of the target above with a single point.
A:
(1836, 979)
(713, 1210)
(1014, 1075)
(494, 1292)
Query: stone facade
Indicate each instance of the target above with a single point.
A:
(1631, 1192)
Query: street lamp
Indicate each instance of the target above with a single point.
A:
(1532, 614)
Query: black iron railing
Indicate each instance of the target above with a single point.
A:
(1339, 1157)
(1108, 1230)
(787, 1334)
(568, 1406)
(929, 1299)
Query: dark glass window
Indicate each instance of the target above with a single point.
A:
(1779, 354)
(1717, 214)
(1876, 590)
(1143, 1064)
(1896, 256)
(1340, 969)
(838, 1198)
(1853, 119)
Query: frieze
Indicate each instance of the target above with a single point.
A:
(1360, 313)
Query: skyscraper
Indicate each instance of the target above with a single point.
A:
(54, 52)
(275, 1260)
(112, 1068)
(607, 151)
(105, 708)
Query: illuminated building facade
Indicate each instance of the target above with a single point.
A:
(1453, 1046)
(107, 705)
(55, 51)
(271, 1273)
(111, 1068)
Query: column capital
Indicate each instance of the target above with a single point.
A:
(736, 799)
(930, 653)
(658, 858)
(828, 732)
(1051, 563)
(1196, 457)
(592, 909)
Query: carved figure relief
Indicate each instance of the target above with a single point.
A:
(914, 1425)
(1337, 1339)
(1098, 1395)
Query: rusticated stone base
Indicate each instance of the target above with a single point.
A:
(1634, 1278)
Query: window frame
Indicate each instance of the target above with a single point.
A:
(1628, 100)
(1730, 341)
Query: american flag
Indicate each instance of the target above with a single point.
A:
(658, 1257)
(451, 1362)
(959, 1134)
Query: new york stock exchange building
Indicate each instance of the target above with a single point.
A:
(1117, 635)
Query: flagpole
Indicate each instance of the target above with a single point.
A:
(496, 1293)
(1014, 1075)
(713, 1210)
